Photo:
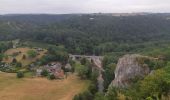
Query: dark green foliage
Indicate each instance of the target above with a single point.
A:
(155, 85)
(24, 57)
(82, 70)
(94, 76)
(14, 60)
(84, 96)
(80, 35)
(155, 64)
(18, 64)
(108, 74)
(4, 46)
(72, 63)
(20, 75)
(99, 96)
(83, 61)
(109, 67)
(112, 94)
(51, 77)
(55, 54)
(1, 57)
(44, 72)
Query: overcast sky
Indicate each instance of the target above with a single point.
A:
(83, 6)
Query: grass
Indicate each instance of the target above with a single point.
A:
(23, 51)
(12, 88)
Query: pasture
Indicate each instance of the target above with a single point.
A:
(12, 88)
(19, 56)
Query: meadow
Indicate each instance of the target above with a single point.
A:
(12, 88)
(23, 51)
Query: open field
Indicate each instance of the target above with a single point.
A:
(12, 88)
(23, 51)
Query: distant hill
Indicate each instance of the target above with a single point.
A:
(88, 33)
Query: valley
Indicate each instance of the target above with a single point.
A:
(85, 56)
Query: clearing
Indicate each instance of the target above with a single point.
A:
(23, 51)
(12, 88)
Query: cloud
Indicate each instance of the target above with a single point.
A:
(83, 6)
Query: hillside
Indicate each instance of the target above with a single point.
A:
(85, 56)
(89, 33)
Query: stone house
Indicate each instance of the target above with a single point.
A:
(53, 68)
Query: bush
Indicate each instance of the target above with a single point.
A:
(44, 72)
(18, 64)
(1, 57)
(20, 75)
(14, 60)
(24, 57)
(83, 61)
(83, 96)
(51, 76)
(32, 53)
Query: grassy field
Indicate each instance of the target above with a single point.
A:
(12, 88)
(19, 56)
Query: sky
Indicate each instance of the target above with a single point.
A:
(82, 6)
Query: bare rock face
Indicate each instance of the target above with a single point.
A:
(129, 68)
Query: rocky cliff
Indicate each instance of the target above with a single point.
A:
(128, 69)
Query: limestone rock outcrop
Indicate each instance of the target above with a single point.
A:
(129, 68)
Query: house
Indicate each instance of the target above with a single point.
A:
(56, 69)
(52, 67)
(39, 49)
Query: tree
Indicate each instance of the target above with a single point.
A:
(94, 76)
(155, 85)
(84, 96)
(1, 57)
(24, 56)
(112, 94)
(32, 53)
(20, 75)
(99, 96)
(14, 60)
(18, 64)
(83, 61)
(109, 74)
(82, 70)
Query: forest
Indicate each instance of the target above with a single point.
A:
(106, 35)
(89, 33)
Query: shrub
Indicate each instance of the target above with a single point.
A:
(32, 53)
(20, 75)
(83, 96)
(14, 60)
(1, 57)
(51, 76)
(24, 57)
(18, 64)
(44, 72)
(83, 61)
